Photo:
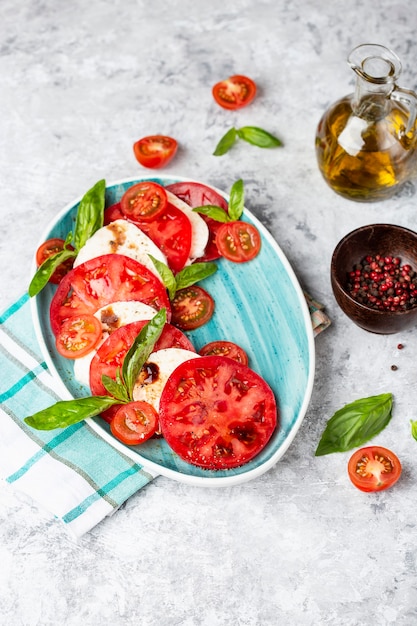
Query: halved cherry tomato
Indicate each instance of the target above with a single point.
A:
(195, 195)
(78, 335)
(144, 201)
(134, 423)
(155, 151)
(103, 280)
(216, 413)
(234, 92)
(374, 468)
(47, 249)
(238, 241)
(191, 307)
(225, 348)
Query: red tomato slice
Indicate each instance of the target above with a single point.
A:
(191, 307)
(78, 335)
(374, 468)
(195, 195)
(103, 280)
(47, 249)
(234, 92)
(170, 231)
(134, 423)
(155, 151)
(225, 348)
(144, 201)
(238, 241)
(216, 413)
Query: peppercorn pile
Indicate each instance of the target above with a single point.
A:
(381, 282)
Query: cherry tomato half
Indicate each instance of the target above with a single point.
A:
(225, 348)
(374, 468)
(78, 335)
(47, 249)
(144, 201)
(134, 423)
(191, 307)
(155, 151)
(234, 92)
(238, 241)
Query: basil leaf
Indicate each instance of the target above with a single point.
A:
(355, 423)
(215, 212)
(414, 429)
(226, 142)
(258, 137)
(90, 214)
(141, 348)
(45, 271)
(67, 412)
(115, 388)
(191, 274)
(166, 275)
(236, 200)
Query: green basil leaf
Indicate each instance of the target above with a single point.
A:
(213, 211)
(115, 388)
(258, 137)
(414, 429)
(355, 424)
(226, 142)
(166, 275)
(140, 350)
(193, 273)
(236, 202)
(90, 214)
(45, 271)
(67, 412)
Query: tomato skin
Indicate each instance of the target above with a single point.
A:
(155, 151)
(47, 249)
(374, 468)
(234, 92)
(216, 413)
(191, 307)
(78, 335)
(238, 241)
(225, 348)
(134, 423)
(144, 201)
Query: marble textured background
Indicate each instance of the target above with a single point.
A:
(299, 546)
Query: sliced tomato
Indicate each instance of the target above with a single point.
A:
(47, 249)
(155, 150)
(234, 92)
(191, 307)
(195, 195)
(171, 231)
(238, 241)
(225, 348)
(134, 423)
(374, 468)
(101, 281)
(144, 201)
(216, 413)
(78, 335)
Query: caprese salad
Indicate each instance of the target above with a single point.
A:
(126, 296)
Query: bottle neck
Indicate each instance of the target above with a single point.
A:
(371, 101)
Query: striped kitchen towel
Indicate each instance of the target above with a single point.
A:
(73, 473)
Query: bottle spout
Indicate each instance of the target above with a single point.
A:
(375, 64)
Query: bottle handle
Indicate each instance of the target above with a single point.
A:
(408, 98)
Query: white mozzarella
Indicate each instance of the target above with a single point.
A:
(111, 316)
(199, 228)
(121, 237)
(160, 364)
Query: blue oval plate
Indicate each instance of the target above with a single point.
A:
(259, 305)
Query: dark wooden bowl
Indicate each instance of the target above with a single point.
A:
(384, 239)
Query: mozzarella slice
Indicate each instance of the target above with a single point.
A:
(199, 228)
(111, 317)
(121, 237)
(156, 372)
